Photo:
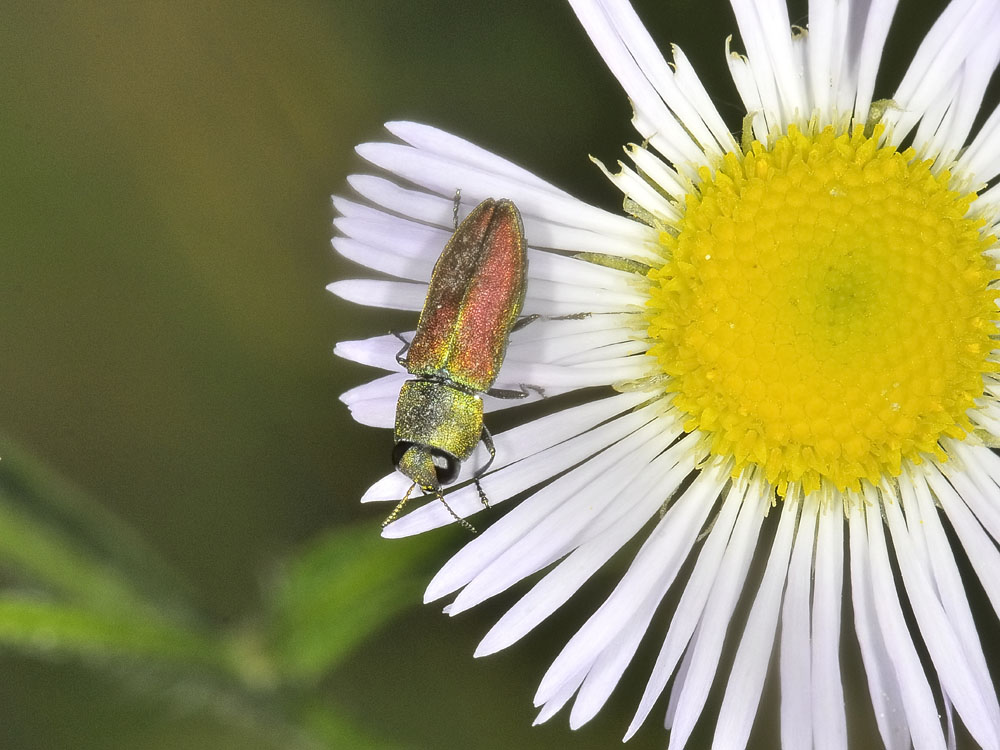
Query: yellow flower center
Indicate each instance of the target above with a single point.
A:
(826, 309)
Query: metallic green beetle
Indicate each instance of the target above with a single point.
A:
(473, 301)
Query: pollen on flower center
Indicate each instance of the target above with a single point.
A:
(825, 309)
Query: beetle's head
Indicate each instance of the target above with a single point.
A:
(429, 467)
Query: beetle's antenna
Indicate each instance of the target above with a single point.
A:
(399, 507)
(462, 521)
(440, 496)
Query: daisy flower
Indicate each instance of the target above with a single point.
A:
(787, 346)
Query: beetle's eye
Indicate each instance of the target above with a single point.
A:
(446, 466)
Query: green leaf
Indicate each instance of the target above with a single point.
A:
(51, 559)
(49, 628)
(186, 667)
(340, 591)
(40, 501)
(334, 730)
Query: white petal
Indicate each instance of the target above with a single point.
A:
(746, 86)
(796, 666)
(976, 75)
(352, 209)
(585, 375)
(618, 351)
(374, 413)
(949, 715)
(374, 403)
(410, 269)
(934, 120)
(649, 490)
(580, 348)
(393, 295)
(586, 297)
(883, 687)
(829, 718)
(437, 141)
(695, 93)
(500, 485)
(643, 193)
(682, 674)
(554, 308)
(754, 32)
(718, 613)
(746, 680)
(559, 699)
(562, 269)
(566, 509)
(988, 204)
(378, 351)
(828, 45)
(670, 138)
(390, 487)
(957, 675)
(766, 31)
(649, 575)
(976, 543)
(978, 484)
(438, 173)
(915, 691)
(661, 174)
(691, 606)
(982, 157)
(608, 668)
(698, 117)
(922, 519)
(876, 29)
(396, 234)
(958, 30)
(625, 324)
(988, 407)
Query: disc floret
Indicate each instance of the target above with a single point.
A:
(825, 310)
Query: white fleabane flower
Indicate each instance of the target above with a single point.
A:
(798, 330)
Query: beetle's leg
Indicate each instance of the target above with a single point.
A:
(573, 316)
(482, 495)
(616, 262)
(523, 321)
(521, 392)
(454, 210)
(401, 354)
(487, 439)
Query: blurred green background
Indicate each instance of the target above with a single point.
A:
(165, 225)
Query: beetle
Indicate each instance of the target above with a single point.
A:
(473, 303)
